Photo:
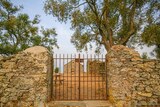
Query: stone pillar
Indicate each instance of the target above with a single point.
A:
(131, 80)
(121, 74)
(24, 77)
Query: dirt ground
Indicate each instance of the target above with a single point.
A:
(80, 104)
(87, 86)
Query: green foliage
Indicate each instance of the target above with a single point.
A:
(105, 22)
(145, 56)
(18, 32)
(151, 36)
(56, 70)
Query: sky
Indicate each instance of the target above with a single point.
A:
(34, 7)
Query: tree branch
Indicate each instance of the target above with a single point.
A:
(104, 39)
(131, 25)
(79, 5)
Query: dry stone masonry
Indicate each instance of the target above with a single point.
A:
(132, 81)
(26, 78)
(23, 77)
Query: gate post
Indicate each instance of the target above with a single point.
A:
(106, 70)
(50, 79)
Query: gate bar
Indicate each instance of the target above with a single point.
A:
(95, 77)
(71, 76)
(83, 78)
(87, 75)
(79, 78)
(63, 77)
(67, 77)
(87, 83)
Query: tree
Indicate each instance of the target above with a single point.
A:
(18, 32)
(151, 36)
(144, 56)
(56, 70)
(105, 22)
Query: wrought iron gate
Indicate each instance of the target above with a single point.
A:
(79, 77)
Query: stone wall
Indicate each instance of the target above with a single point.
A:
(132, 81)
(95, 66)
(23, 77)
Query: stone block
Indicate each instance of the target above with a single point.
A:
(158, 65)
(144, 94)
(142, 103)
(4, 99)
(148, 89)
(135, 59)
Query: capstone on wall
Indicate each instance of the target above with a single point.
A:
(23, 77)
(132, 81)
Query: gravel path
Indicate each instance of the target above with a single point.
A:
(80, 104)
